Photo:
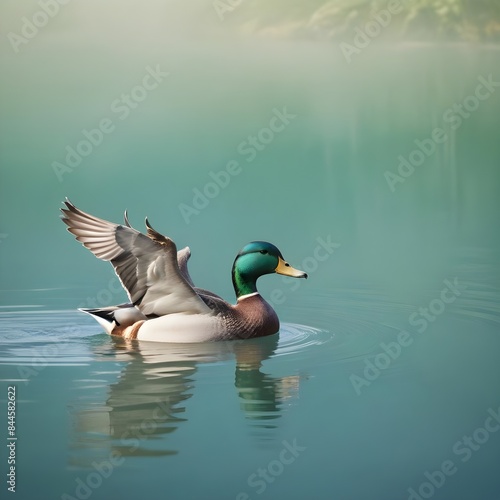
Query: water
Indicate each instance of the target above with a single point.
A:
(363, 394)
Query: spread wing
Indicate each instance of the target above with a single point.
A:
(147, 266)
(182, 256)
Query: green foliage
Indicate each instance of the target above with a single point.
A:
(465, 20)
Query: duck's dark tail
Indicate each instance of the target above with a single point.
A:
(109, 317)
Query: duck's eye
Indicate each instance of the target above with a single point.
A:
(263, 252)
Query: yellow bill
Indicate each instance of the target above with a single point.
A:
(287, 270)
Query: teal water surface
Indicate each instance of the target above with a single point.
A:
(383, 381)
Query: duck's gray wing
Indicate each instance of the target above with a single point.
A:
(217, 304)
(182, 261)
(182, 255)
(146, 265)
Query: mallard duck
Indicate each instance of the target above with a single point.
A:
(165, 306)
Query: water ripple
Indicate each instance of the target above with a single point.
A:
(296, 338)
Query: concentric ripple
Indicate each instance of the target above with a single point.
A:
(295, 338)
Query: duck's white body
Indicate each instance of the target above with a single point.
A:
(180, 327)
(177, 327)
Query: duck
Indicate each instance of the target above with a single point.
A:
(164, 304)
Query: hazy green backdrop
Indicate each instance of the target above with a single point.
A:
(346, 123)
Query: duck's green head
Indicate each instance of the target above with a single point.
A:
(256, 259)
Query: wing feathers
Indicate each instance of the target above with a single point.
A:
(182, 259)
(125, 219)
(147, 266)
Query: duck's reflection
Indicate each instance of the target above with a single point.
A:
(147, 400)
(261, 395)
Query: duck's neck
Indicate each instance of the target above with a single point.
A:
(244, 283)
